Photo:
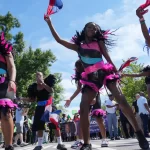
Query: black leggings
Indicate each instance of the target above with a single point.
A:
(3, 93)
(97, 105)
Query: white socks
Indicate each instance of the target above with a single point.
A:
(80, 140)
(40, 141)
(59, 141)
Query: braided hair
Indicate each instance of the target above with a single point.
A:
(145, 69)
(78, 71)
(32, 89)
(100, 35)
(50, 80)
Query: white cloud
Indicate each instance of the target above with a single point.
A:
(64, 64)
(68, 85)
(62, 53)
(130, 40)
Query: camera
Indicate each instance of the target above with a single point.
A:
(22, 105)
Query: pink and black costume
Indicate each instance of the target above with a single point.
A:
(95, 109)
(97, 73)
(6, 96)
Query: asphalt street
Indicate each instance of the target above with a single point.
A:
(123, 144)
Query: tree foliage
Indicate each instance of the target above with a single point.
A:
(131, 86)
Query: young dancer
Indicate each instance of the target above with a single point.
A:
(146, 71)
(143, 25)
(96, 112)
(7, 89)
(90, 45)
(42, 91)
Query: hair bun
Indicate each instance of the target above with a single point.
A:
(145, 69)
(50, 80)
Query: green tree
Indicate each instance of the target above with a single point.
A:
(28, 61)
(131, 86)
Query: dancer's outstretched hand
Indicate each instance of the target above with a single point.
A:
(67, 104)
(47, 19)
(139, 12)
(12, 86)
(122, 75)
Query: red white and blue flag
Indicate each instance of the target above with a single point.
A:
(145, 5)
(53, 7)
(127, 63)
(49, 116)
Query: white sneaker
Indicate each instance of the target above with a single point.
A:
(104, 143)
(76, 145)
(23, 144)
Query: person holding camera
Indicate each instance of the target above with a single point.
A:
(20, 113)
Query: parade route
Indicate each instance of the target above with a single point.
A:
(123, 144)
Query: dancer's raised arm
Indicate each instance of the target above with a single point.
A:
(143, 26)
(75, 94)
(134, 75)
(65, 43)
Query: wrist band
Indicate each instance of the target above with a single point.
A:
(142, 22)
(12, 81)
(141, 19)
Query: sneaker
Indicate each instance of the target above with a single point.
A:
(86, 147)
(104, 143)
(9, 148)
(61, 147)
(38, 148)
(23, 144)
(15, 145)
(76, 145)
(143, 143)
(112, 138)
(117, 138)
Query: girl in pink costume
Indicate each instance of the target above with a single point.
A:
(90, 45)
(7, 90)
(95, 108)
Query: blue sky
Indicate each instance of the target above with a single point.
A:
(109, 14)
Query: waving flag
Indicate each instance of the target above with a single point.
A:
(49, 116)
(127, 63)
(53, 7)
(143, 6)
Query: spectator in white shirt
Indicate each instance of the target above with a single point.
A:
(136, 112)
(111, 106)
(20, 113)
(143, 112)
